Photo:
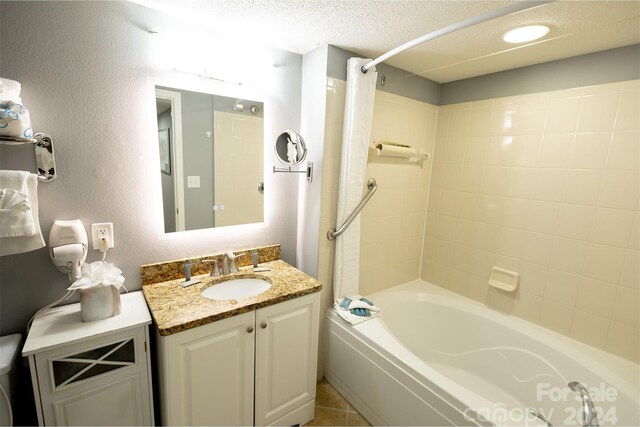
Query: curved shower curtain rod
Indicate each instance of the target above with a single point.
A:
(517, 7)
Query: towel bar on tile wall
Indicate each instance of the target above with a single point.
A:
(333, 233)
(45, 159)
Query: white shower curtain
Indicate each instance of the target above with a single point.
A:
(358, 113)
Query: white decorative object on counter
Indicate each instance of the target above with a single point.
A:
(99, 286)
(99, 302)
(84, 373)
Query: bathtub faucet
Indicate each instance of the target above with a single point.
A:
(589, 415)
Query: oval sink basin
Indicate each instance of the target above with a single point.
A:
(236, 289)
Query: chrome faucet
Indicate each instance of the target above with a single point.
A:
(229, 262)
(225, 262)
(589, 414)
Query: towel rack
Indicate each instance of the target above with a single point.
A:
(43, 147)
(333, 233)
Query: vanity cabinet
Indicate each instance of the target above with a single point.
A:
(256, 368)
(94, 373)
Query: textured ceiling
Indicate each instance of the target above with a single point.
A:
(372, 27)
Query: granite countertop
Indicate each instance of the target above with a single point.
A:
(175, 309)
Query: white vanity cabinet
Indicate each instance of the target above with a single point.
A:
(256, 368)
(94, 373)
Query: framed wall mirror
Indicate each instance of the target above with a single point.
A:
(211, 159)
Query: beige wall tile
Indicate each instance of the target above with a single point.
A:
(575, 221)
(624, 152)
(596, 297)
(555, 150)
(562, 287)
(556, 317)
(612, 227)
(624, 341)
(620, 189)
(631, 271)
(589, 329)
(628, 112)
(582, 187)
(590, 150)
(604, 262)
(627, 308)
(598, 112)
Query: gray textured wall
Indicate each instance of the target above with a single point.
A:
(88, 75)
(197, 152)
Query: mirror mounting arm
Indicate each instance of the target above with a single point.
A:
(308, 171)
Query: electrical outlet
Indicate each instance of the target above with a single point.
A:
(99, 230)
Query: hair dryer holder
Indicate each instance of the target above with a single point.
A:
(68, 244)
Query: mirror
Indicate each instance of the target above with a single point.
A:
(211, 159)
(290, 148)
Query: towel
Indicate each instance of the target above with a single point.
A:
(10, 90)
(355, 309)
(14, 120)
(27, 184)
(15, 214)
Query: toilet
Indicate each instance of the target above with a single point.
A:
(9, 346)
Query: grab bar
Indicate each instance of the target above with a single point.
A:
(333, 233)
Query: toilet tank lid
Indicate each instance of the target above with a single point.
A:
(8, 350)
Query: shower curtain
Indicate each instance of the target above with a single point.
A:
(355, 145)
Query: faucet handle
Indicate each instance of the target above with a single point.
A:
(233, 268)
(215, 271)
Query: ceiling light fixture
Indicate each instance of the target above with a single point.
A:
(525, 34)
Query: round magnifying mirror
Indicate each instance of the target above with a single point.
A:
(290, 148)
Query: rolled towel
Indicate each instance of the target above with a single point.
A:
(355, 309)
(10, 90)
(14, 120)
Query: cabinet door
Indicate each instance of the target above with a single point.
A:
(97, 382)
(286, 357)
(208, 373)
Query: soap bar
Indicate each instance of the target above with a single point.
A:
(259, 269)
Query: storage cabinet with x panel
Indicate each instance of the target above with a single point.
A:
(95, 373)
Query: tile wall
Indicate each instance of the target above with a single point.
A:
(547, 185)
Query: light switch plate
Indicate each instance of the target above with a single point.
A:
(193, 181)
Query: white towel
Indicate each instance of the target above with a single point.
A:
(356, 302)
(15, 214)
(14, 120)
(10, 90)
(26, 183)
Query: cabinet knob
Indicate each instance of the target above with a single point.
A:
(263, 325)
(250, 329)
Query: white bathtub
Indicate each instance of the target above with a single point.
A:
(435, 358)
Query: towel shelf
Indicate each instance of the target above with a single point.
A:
(43, 147)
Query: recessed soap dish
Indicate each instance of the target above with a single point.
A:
(505, 280)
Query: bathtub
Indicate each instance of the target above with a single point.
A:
(436, 358)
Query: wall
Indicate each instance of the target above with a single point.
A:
(88, 71)
(197, 158)
(544, 184)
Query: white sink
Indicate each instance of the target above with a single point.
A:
(236, 289)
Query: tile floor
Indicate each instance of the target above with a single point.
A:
(333, 410)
